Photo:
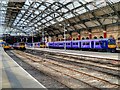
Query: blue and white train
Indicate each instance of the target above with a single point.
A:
(91, 44)
(35, 44)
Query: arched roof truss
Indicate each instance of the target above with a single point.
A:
(52, 17)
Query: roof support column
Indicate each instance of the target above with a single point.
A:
(105, 34)
(90, 35)
(79, 35)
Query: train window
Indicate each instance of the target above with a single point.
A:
(76, 43)
(97, 43)
(68, 43)
(84, 43)
(111, 41)
(87, 43)
(61, 44)
(100, 42)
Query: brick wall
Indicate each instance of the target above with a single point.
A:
(96, 32)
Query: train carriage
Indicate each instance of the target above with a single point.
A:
(91, 44)
(68, 44)
(42, 44)
(60, 44)
(56, 44)
(97, 44)
(76, 44)
(6, 46)
(87, 44)
(37, 44)
(29, 44)
(50, 44)
(20, 46)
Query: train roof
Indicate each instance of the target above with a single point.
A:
(83, 40)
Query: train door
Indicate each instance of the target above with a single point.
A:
(104, 44)
(92, 44)
(79, 44)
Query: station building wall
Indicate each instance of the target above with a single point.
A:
(113, 31)
(97, 32)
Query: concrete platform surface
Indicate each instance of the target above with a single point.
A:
(14, 76)
(107, 55)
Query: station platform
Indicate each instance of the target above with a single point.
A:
(106, 55)
(14, 76)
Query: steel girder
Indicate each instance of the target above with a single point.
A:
(49, 11)
(58, 12)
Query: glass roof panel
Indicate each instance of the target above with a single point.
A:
(51, 14)
(76, 4)
(42, 7)
(28, 2)
(36, 12)
(70, 6)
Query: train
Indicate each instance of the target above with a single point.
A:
(108, 44)
(19, 46)
(36, 45)
(6, 46)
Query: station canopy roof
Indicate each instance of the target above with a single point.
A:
(54, 16)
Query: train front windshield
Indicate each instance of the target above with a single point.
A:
(111, 42)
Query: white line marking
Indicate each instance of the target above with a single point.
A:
(26, 72)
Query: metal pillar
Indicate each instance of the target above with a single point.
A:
(64, 38)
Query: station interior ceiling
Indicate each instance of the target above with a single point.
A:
(33, 17)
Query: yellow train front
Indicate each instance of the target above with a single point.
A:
(6, 46)
(19, 46)
(42, 45)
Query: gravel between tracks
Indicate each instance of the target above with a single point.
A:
(47, 81)
(34, 58)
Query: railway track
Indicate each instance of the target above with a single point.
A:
(108, 66)
(73, 73)
(106, 61)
